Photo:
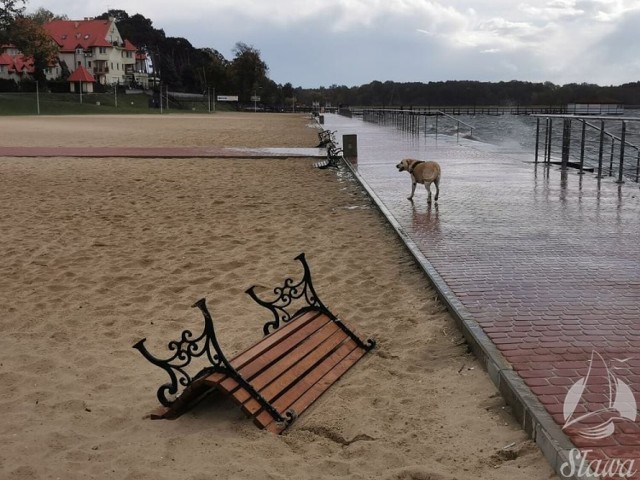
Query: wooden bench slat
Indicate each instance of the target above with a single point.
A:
(287, 329)
(308, 381)
(282, 373)
(251, 353)
(270, 355)
(215, 378)
(326, 381)
(322, 354)
(313, 393)
(306, 366)
(285, 401)
(292, 341)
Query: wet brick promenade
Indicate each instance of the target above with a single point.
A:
(546, 262)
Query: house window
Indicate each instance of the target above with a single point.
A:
(103, 49)
(89, 64)
(117, 66)
(111, 65)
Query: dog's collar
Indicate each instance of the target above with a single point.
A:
(414, 166)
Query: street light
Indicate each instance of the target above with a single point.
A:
(255, 98)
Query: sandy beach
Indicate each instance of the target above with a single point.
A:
(99, 253)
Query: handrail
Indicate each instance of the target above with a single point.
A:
(417, 112)
(596, 117)
(610, 135)
(455, 119)
(584, 120)
(411, 125)
(593, 117)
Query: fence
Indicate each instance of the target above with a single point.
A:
(609, 146)
(419, 120)
(35, 103)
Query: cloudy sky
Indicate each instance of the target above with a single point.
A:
(313, 43)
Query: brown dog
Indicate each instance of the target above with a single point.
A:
(422, 172)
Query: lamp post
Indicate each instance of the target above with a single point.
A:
(255, 98)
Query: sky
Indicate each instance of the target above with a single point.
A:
(313, 43)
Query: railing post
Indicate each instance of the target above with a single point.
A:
(613, 144)
(600, 153)
(622, 142)
(549, 132)
(584, 132)
(566, 142)
(537, 137)
(546, 139)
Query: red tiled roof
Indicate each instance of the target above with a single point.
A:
(17, 64)
(72, 34)
(129, 46)
(81, 74)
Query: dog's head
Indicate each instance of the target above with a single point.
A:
(403, 165)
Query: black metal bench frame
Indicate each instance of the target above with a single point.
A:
(206, 344)
(334, 155)
(326, 137)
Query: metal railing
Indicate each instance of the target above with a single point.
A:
(458, 123)
(593, 141)
(414, 121)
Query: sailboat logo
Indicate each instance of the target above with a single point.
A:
(611, 400)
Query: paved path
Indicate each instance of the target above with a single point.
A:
(546, 263)
(160, 152)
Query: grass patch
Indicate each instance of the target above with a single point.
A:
(92, 104)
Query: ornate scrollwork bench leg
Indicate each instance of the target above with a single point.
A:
(189, 347)
(302, 289)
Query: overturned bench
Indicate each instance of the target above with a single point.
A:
(274, 381)
(334, 155)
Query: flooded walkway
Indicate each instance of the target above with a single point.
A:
(541, 266)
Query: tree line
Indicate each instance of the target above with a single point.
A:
(469, 93)
(184, 68)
